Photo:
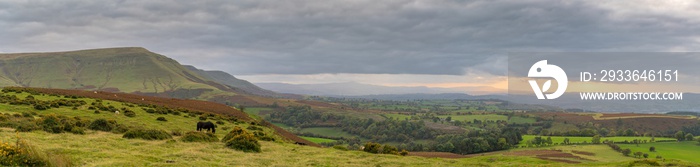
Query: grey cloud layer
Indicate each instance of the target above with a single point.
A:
(311, 37)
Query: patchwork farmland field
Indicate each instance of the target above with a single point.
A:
(687, 150)
(579, 140)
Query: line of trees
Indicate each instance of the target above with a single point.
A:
(405, 132)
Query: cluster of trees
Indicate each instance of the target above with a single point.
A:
(683, 113)
(539, 141)
(590, 129)
(627, 151)
(478, 141)
(693, 129)
(682, 136)
(617, 148)
(500, 137)
(378, 131)
(387, 130)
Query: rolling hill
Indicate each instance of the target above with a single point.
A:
(242, 85)
(115, 69)
(129, 70)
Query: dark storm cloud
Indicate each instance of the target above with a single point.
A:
(311, 37)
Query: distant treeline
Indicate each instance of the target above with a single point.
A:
(404, 131)
(684, 113)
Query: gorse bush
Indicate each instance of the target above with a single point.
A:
(78, 130)
(26, 126)
(129, 113)
(403, 153)
(51, 123)
(147, 134)
(161, 119)
(59, 124)
(242, 140)
(387, 149)
(199, 137)
(236, 131)
(377, 148)
(120, 128)
(18, 154)
(372, 147)
(102, 125)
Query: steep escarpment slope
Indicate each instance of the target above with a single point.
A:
(113, 69)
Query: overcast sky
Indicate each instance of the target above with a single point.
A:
(388, 42)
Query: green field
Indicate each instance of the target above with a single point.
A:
(471, 118)
(574, 139)
(318, 139)
(521, 120)
(687, 151)
(254, 112)
(603, 153)
(467, 118)
(335, 132)
(281, 125)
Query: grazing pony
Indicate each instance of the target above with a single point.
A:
(206, 125)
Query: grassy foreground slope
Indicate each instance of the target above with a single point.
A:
(107, 149)
(97, 148)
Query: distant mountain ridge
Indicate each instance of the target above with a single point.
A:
(230, 80)
(359, 89)
(570, 100)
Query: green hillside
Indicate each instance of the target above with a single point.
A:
(113, 69)
(25, 124)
